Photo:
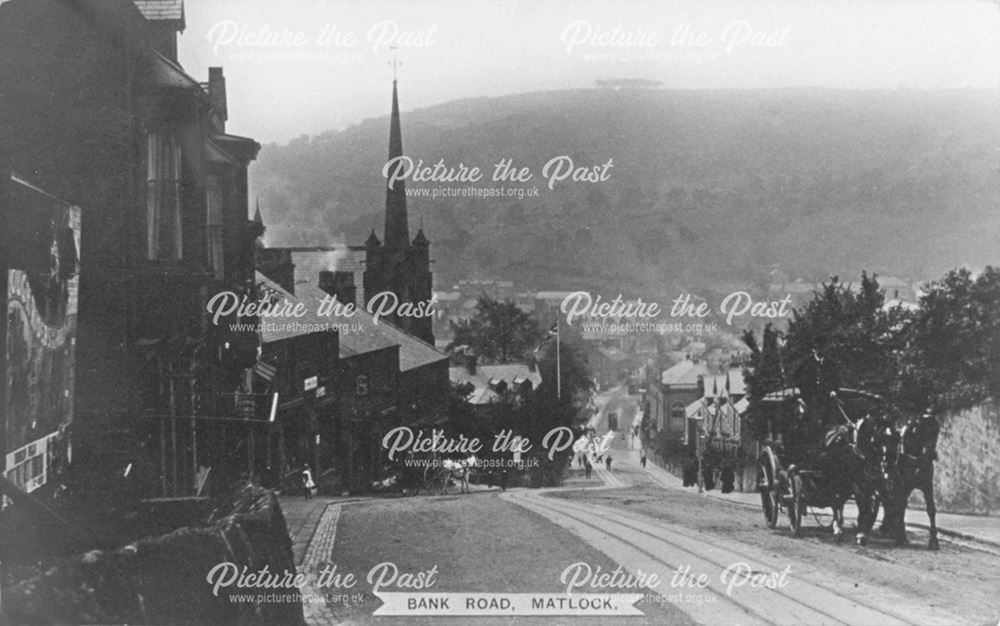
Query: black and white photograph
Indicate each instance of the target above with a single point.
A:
(664, 312)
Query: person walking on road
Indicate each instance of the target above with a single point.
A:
(607, 463)
(642, 460)
(587, 467)
(307, 481)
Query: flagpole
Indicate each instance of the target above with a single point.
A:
(558, 360)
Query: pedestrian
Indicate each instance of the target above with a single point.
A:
(728, 479)
(607, 463)
(587, 467)
(642, 460)
(307, 481)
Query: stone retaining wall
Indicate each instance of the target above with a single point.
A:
(967, 473)
(162, 580)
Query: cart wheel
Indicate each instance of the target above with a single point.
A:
(436, 480)
(430, 480)
(796, 505)
(768, 495)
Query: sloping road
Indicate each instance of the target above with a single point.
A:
(806, 594)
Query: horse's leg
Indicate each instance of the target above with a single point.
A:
(838, 521)
(899, 516)
(928, 489)
(866, 516)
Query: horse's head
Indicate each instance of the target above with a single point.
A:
(875, 441)
(918, 438)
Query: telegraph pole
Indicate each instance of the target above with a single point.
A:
(558, 360)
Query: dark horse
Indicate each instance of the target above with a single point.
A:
(913, 468)
(848, 465)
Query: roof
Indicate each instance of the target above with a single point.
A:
(309, 262)
(483, 395)
(162, 10)
(905, 304)
(892, 281)
(365, 334)
(737, 386)
(552, 295)
(362, 333)
(684, 373)
(166, 73)
(742, 405)
(613, 354)
(278, 329)
(484, 373)
(699, 409)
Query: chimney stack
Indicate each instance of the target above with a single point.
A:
(217, 92)
(339, 285)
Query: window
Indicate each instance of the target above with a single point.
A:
(213, 225)
(677, 412)
(163, 199)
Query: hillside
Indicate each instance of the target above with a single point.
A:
(708, 188)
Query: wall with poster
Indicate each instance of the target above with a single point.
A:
(41, 237)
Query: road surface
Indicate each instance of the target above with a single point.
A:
(715, 562)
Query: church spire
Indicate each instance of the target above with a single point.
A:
(397, 230)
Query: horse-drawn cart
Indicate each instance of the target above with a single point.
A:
(820, 457)
(431, 474)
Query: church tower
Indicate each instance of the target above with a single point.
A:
(397, 264)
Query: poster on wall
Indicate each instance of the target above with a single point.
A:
(41, 308)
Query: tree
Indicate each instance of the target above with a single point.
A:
(953, 355)
(575, 378)
(558, 405)
(498, 332)
(765, 374)
(844, 338)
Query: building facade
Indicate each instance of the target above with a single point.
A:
(97, 111)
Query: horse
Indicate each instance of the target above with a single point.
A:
(916, 452)
(845, 464)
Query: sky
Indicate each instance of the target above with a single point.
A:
(302, 67)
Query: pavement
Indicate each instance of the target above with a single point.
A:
(303, 518)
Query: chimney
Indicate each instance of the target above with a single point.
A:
(470, 363)
(339, 285)
(217, 92)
